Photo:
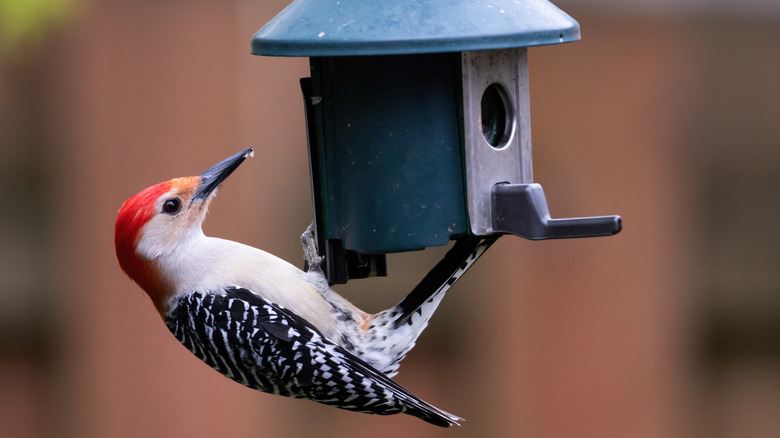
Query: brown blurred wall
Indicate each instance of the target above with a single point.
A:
(635, 335)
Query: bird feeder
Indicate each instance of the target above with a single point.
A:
(418, 121)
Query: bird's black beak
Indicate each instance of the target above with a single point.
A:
(214, 175)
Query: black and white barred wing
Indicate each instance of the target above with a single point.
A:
(266, 347)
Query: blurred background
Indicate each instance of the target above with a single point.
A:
(666, 112)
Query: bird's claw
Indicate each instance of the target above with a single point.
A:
(310, 251)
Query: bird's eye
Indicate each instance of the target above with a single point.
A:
(171, 206)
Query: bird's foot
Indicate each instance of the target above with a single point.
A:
(310, 251)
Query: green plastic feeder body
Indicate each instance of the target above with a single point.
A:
(415, 109)
(389, 165)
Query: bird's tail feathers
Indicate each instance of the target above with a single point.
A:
(435, 416)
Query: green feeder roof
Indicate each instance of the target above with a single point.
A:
(394, 27)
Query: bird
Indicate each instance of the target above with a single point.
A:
(263, 322)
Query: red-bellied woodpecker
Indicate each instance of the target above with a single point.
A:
(265, 323)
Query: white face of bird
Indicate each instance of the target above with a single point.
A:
(163, 219)
(174, 217)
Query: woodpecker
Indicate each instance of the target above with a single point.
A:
(263, 322)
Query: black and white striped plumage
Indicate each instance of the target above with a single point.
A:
(268, 348)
